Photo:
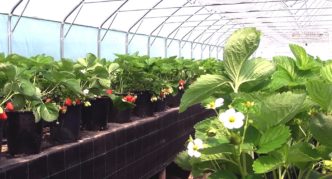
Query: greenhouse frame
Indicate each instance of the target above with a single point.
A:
(166, 28)
(165, 89)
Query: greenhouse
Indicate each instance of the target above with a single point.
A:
(147, 89)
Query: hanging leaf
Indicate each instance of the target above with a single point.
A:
(27, 88)
(73, 85)
(48, 112)
(273, 138)
(201, 89)
(320, 92)
(321, 128)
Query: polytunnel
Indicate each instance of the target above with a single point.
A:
(191, 29)
(167, 89)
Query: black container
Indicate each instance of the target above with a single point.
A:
(174, 101)
(160, 105)
(144, 106)
(67, 128)
(95, 117)
(23, 134)
(2, 125)
(120, 116)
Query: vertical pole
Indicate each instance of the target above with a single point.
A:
(148, 46)
(126, 43)
(202, 51)
(166, 48)
(217, 53)
(9, 33)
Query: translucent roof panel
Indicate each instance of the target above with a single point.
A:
(199, 21)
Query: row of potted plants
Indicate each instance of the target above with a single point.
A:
(272, 117)
(67, 96)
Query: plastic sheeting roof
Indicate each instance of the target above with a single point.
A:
(202, 21)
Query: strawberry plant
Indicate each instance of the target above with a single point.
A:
(274, 119)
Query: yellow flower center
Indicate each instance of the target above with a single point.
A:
(195, 147)
(231, 119)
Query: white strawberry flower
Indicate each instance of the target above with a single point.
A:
(232, 119)
(194, 147)
(86, 91)
(219, 102)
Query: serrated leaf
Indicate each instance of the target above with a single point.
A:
(267, 163)
(201, 89)
(222, 174)
(113, 67)
(283, 106)
(303, 60)
(320, 92)
(321, 128)
(105, 83)
(9, 70)
(273, 138)
(18, 101)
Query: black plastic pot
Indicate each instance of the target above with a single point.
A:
(174, 101)
(160, 105)
(95, 117)
(23, 134)
(144, 106)
(118, 116)
(67, 128)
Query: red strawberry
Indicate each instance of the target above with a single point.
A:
(10, 106)
(78, 102)
(68, 102)
(182, 82)
(129, 98)
(3, 116)
(109, 91)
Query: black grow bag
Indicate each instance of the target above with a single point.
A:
(144, 106)
(174, 101)
(2, 125)
(160, 105)
(23, 134)
(95, 117)
(67, 128)
(120, 116)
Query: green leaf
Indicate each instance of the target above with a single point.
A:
(73, 85)
(201, 89)
(113, 67)
(326, 72)
(302, 152)
(48, 112)
(273, 138)
(283, 106)
(303, 60)
(239, 47)
(27, 88)
(18, 101)
(9, 70)
(321, 128)
(223, 174)
(267, 163)
(320, 92)
(105, 83)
